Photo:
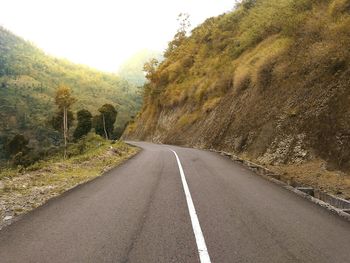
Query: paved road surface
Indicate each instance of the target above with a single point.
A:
(139, 212)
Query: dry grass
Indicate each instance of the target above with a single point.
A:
(188, 119)
(210, 104)
(256, 66)
(339, 7)
(315, 174)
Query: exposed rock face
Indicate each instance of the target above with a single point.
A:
(265, 128)
(288, 149)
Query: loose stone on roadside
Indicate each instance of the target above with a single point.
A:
(7, 218)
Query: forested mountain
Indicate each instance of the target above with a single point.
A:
(28, 82)
(269, 81)
(132, 69)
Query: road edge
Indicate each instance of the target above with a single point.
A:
(75, 187)
(268, 175)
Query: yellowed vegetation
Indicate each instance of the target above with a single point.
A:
(249, 48)
(252, 65)
(188, 119)
(338, 7)
(210, 104)
(315, 173)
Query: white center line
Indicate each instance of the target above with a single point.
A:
(202, 247)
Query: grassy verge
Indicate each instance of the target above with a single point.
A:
(22, 190)
(315, 174)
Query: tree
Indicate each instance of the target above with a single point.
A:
(57, 120)
(246, 4)
(104, 123)
(64, 101)
(150, 69)
(84, 124)
(180, 36)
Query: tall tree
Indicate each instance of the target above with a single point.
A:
(64, 101)
(104, 123)
(150, 69)
(180, 36)
(57, 120)
(84, 124)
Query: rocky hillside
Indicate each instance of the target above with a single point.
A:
(269, 81)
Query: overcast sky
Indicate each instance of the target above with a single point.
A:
(102, 33)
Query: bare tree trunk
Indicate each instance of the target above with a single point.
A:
(65, 128)
(104, 126)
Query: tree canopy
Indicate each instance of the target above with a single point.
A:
(104, 122)
(84, 125)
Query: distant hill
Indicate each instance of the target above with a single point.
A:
(132, 69)
(29, 78)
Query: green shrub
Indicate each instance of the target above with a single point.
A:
(24, 159)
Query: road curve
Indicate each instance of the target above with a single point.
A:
(138, 212)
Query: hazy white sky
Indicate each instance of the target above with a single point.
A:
(102, 33)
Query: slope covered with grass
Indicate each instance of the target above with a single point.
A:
(269, 81)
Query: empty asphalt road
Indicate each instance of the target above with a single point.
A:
(147, 211)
